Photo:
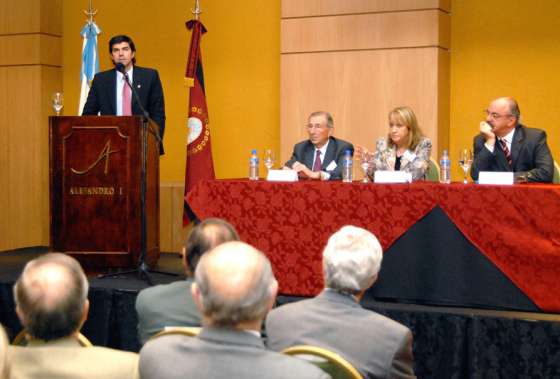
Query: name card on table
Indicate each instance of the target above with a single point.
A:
(392, 177)
(282, 176)
(501, 177)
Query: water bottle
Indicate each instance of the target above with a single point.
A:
(445, 168)
(347, 167)
(254, 166)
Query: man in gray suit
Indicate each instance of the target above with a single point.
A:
(52, 305)
(376, 345)
(172, 304)
(234, 289)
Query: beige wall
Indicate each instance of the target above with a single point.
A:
(30, 71)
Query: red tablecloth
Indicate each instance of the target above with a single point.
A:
(515, 227)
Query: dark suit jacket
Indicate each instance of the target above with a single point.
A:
(102, 97)
(219, 353)
(304, 152)
(530, 156)
(165, 305)
(376, 345)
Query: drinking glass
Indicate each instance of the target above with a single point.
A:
(269, 159)
(465, 161)
(57, 102)
(365, 159)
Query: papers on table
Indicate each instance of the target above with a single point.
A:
(489, 177)
(392, 177)
(282, 176)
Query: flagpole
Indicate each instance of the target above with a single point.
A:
(196, 11)
(90, 12)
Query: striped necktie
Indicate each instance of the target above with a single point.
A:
(505, 149)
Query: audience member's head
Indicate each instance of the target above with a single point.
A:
(234, 286)
(4, 363)
(51, 297)
(351, 260)
(204, 237)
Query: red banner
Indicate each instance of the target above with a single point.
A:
(199, 152)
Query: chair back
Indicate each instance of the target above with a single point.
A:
(189, 331)
(556, 177)
(22, 339)
(330, 362)
(432, 173)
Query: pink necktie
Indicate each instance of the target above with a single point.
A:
(126, 103)
(317, 163)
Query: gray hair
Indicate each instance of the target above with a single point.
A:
(351, 259)
(514, 108)
(327, 115)
(252, 302)
(50, 313)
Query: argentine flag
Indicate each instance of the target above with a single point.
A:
(90, 60)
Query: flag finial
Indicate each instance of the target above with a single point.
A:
(90, 12)
(196, 11)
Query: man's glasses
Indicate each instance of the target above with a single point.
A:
(494, 115)
(315, 126)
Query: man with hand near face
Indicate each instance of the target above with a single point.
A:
(504, 144)
(111, 95)
(320, 157)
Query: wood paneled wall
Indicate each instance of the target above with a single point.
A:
(359, 59)
(30, 71)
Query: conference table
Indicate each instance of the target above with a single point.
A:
(450, 244)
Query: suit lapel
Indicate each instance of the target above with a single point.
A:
(140, 84)
(330, 153)
(112, 87)
(308, 155)
(516, 143)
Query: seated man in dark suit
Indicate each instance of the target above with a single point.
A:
(110, 95)
(519, 149)
(234, 289)
(321, 156)
(172, 304)
(52, 305)
(375, 345)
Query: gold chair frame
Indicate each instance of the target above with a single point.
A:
(307, 350)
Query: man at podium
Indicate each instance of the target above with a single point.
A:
(111, 95)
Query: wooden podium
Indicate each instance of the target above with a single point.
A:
(96, 188)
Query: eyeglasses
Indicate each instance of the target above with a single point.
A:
(495, 115)
(316, 126)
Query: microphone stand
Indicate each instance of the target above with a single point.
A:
(142, 270)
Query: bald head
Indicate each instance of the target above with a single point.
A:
(205, 236)
(510, 105)
(51, 296)
(235, 284)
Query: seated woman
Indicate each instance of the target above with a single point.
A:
(404, 148)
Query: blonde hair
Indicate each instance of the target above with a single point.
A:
(407, 117)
